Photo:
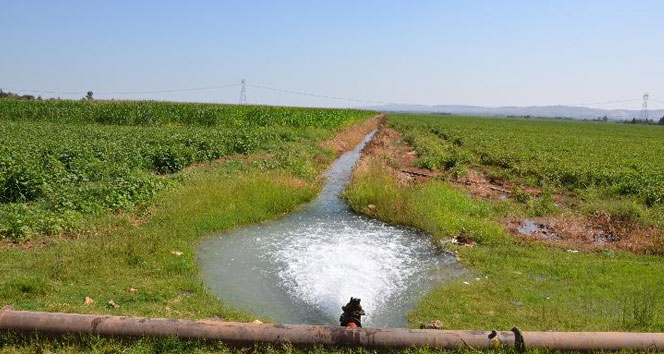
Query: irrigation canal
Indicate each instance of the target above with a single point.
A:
(304, 267)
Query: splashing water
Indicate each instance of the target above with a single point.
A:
(303, 268)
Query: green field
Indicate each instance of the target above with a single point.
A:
(99, 198)
(622, 159)
(608, 166)
(105, 218)
(63, 161)
(513, 281)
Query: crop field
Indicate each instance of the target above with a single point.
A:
(152, 113)
(612, 159)
(63, 161)
(569, 172)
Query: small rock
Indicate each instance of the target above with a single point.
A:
(111, 304)
(464, 240)
(437, 324)
(371, 207)
(516, 303)
(177, 253)
(88, 300)
(133, 291)
(477, 279)
(466, 283)
(257, 322)
(573, 251)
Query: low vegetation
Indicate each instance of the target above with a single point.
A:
(134, 227)
(106, 200)
(510, 280)
(64, 161)
(611, 160)
(154, 113)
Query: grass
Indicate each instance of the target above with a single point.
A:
(511, 282)
(596, 161)
(114, 255)
(524, 284)
(87, 344)
(150, 248)
(64, 162)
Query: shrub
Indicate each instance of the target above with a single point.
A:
(20, 183)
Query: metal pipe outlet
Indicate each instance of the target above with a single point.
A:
(250, 333)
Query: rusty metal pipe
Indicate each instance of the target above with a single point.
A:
(249, 333)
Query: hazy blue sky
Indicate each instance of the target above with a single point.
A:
(426, 52)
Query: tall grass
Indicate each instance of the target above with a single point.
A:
(153, 113)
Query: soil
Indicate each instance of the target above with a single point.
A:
(478, 185)
(399, 157)
(599, 231)
(352, 135)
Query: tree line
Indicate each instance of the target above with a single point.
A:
(7, 94)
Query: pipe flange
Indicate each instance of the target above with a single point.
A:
(519, 343)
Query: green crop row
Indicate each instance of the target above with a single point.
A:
(153, 113)
(619, 159)
(57, 169)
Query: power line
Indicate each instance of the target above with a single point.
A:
(243, 98)
(311, 94)
(126, 92)
(170, 91)
(46, 91)
(608, 102)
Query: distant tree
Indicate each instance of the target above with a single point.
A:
(633, 120)
(661, 121)
(88, 96)
(605, 119)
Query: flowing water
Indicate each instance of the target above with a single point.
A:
(303, 268)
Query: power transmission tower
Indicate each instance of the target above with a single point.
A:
(243, 93)
(644, 107)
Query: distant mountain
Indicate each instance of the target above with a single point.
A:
(533, 111)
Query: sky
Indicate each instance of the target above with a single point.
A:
(491, 53)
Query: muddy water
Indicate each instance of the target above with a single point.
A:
(303, 268)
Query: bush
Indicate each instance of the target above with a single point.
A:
(169, 159)
(20, 183)
(15, 221)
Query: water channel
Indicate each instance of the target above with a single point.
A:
(304, 267)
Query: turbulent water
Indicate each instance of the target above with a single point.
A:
(303, 268)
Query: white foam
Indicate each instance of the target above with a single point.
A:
(324, 265)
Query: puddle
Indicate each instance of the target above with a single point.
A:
(530, 227)
(303, 268)
(606, 237)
